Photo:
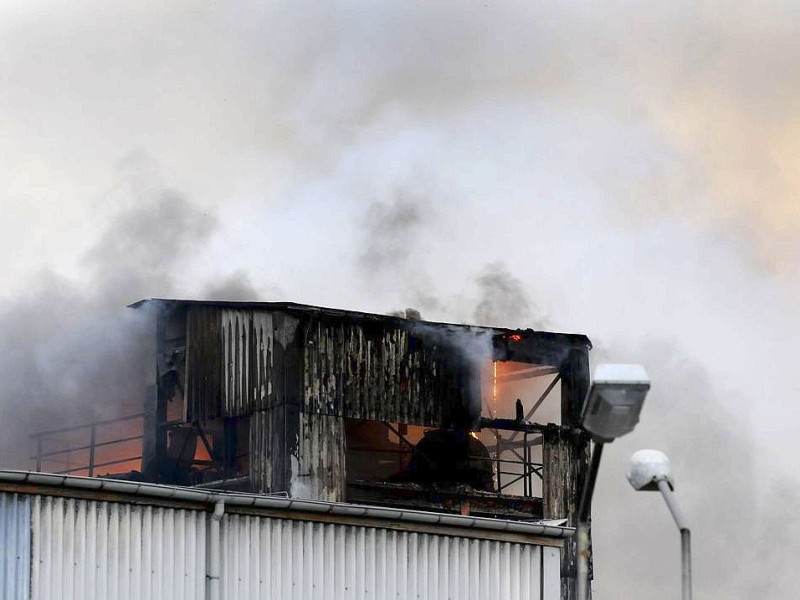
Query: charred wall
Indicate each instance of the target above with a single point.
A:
(394, 372)
(238, 361)
(241, 361)
(297, 373)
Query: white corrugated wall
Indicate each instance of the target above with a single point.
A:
(90, 550)
(15, 546)
(266, 558)
(68, 548)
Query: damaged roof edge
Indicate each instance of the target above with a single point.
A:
(186, 494)
(574, 339)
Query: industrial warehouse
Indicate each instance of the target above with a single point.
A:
(291, 451)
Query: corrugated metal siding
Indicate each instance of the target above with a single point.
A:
(68, 548)
(382, 372)
(88, 550)
(301, 453)
(319, 470)
(551, 565)
(235, 360)
(246, 360)
(203, 363)
(268, 451)
(15, 546)
(239, 361)
(265, 558)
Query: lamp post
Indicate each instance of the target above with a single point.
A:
(650, 471)
(611, 410)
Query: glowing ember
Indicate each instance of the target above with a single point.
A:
(515, 337)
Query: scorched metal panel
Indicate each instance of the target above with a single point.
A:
(386, 372)
(319, 469)
(15, 546)
(90, 550)
(306, 459)
(268, 558)
(247, 346)
(235, 360)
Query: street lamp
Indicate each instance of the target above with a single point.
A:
(612, 409)
(650, 471)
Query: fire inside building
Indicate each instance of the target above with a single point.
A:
(291, 451)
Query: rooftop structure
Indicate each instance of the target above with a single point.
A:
(345, 407)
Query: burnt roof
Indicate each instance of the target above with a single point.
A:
(569, 339)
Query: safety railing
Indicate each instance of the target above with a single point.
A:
(512, 460)
(87, 448)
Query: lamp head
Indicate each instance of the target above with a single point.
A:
(615, 400)
(647, 468)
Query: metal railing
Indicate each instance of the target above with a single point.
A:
(78, 445)
(530, 469)
(507, 471)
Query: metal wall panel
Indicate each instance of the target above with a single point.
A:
(235, 360)
(300, 453)
(269, 451)
(267, 558)
(318, 473)
(551, 572)
(68, 548)
(15, 546)
(203, 387)
(88, 550)
(385, 372)
(247, 343)
(242, 360)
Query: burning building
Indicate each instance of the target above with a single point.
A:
(286, 450)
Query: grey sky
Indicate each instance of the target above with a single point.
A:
(634, 166)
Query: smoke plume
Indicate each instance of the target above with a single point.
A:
(503, 299)
(389, 233)
(72, 353)
(236, 287)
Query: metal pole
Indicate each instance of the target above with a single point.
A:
(583, 523)
(686, 538)
(214, 556)
(92, 437)
(524, 469)
(39, 452)
(686, 564)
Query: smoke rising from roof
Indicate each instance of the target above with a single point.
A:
(235, 287)
(389, 231)
(632, 166)
(71, 352)
(503, 299)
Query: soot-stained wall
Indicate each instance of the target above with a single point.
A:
(297, 372)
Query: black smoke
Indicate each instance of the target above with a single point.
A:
(70, 351)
